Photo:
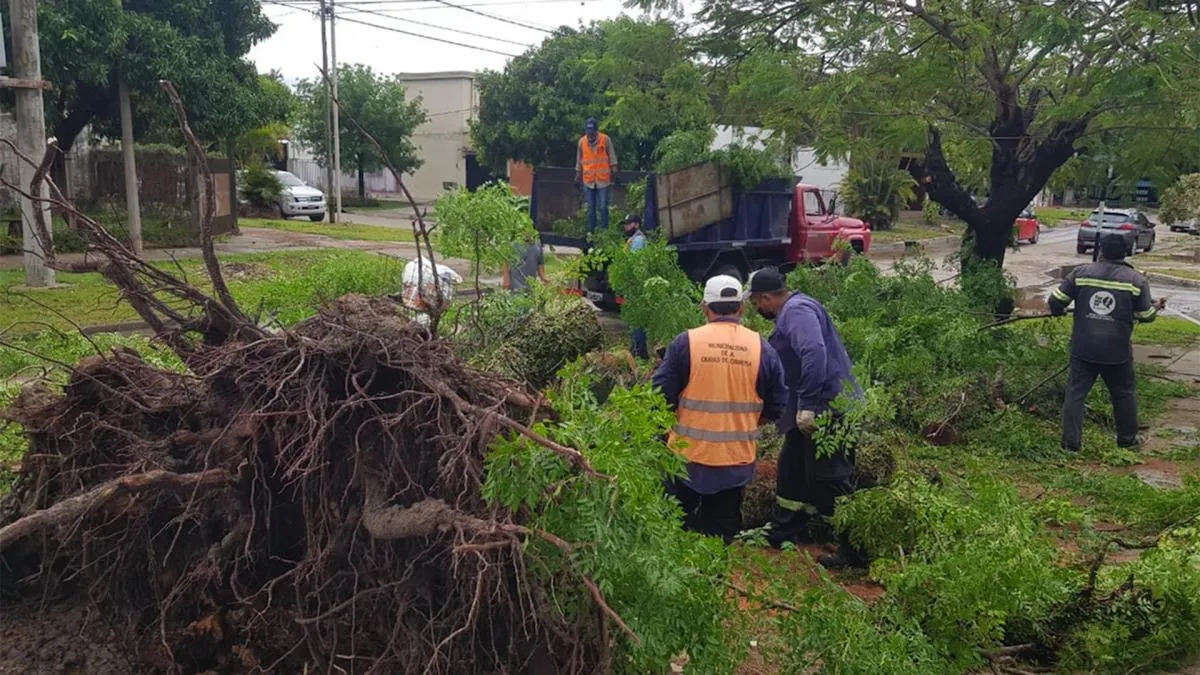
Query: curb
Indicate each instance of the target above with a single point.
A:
(905, 246)
(1172, 281)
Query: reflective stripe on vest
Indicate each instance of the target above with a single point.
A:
(594, 160)
(718, 411)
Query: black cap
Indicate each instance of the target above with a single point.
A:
(1113, 247)
(590, 124)
(633, 218)
(767, 280)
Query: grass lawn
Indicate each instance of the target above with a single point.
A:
(1061, 216)
(342, 232)
(1182, 273)
(1165, 330)
(89, 300)
(903, 231)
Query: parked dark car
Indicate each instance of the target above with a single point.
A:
(1131, 224)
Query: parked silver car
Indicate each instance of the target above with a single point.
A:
(1130, 224)
(299, 199)
(1191, 226)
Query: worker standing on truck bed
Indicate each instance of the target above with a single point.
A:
(595, 169)
(1109, 296)
(635, 240)
(722, 379)
(817, 369)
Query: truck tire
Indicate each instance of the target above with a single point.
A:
(732, 271)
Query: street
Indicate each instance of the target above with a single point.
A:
(1033, 266)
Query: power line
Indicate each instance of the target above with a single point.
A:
(493, 16)
(445, 28)
(398, 30)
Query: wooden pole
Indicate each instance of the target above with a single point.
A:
(31, 133)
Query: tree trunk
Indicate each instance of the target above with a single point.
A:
(1021, 166)
(362, 182)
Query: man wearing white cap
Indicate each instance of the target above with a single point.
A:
(723, 380)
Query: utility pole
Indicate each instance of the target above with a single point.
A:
(337, 128)
(31, 133)
(133, 205)
(328, 105)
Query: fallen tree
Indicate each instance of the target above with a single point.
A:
(318, 498)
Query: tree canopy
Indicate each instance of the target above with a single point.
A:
(993, 96)
(379, 103)
(636, 78)
(200, 45)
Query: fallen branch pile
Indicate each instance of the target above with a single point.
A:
(308, 500)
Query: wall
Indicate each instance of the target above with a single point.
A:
(75, 162)
(804, 160)
(451, 101)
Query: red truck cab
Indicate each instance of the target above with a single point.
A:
(816, 229)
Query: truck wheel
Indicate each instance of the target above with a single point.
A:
(1080, 249)
(732, 271)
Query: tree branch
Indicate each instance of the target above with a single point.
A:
(79, 506)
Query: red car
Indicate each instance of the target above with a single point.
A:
(1027, 227)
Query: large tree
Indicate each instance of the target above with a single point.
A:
(379, 103)
(198, 44)
(993, 95)
(638, 79)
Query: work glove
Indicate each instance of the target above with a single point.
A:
(806, 421)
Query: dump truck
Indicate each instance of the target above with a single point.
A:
(715, 225)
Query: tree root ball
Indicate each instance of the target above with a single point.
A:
(257, 514)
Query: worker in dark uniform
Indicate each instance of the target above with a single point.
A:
(1109, 296)
(723, 380)
(817, 369)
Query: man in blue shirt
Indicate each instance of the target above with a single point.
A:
(635, 240)
(703, 383)
(817, 369)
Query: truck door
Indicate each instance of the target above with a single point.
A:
(820, 228)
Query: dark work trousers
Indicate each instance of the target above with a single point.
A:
(638, 345)
(717, 515)
(807, 488)
(1119, 379)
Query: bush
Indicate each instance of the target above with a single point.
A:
(260, 186)
(657, 295)
(931, 212)
(876, 191)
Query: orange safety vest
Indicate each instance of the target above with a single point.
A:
(718, 412)
(594, 160)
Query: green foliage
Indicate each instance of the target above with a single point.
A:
(748, 166)
(876, 191)
(943, 552)
(200, 46)
(658, 296)
(990, 99)
(837, 634)
(41, 353)
(485, 225)
(931, 213)
(380, 104)
(1181, 201)
(665, 582)
(260, 186)
(530, 336)
(636, 78)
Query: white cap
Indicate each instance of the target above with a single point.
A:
(723, 288)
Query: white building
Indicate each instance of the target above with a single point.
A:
(451, 102)
(805, 164)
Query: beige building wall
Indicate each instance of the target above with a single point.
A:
(451, 101)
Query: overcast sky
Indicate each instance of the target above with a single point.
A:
(296, 45)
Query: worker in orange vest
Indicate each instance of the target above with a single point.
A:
(595, 170)
(723, 380)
